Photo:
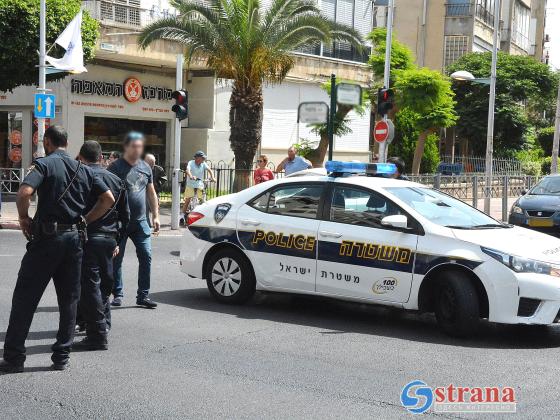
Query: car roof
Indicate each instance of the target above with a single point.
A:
(365, 181)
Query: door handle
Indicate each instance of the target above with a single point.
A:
(248, 222)
(330, 234)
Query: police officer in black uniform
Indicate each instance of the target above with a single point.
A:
(97, 264)
(55, 236)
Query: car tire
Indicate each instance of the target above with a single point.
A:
(229, 277)
(457, 305)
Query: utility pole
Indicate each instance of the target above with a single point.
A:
(556, 139)
(387, 71)
(175, 186)
(332, 113)
(491, 106)
(42, 73)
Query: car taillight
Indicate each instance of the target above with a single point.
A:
(193, 217)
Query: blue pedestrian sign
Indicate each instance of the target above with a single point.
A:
(44, 105)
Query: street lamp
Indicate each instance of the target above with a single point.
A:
(466, 76)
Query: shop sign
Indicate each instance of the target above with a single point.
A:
(131, 89)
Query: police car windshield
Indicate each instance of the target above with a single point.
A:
(444, 210)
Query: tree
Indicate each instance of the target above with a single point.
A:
(19, 32)
(424, 95)
(249, 45)
(524, 89)
(341, 126)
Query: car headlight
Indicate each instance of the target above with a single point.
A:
(522, 264)
(516, 209)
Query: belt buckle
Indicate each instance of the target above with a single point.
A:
(49, 229)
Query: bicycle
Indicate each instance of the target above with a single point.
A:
(195, 200)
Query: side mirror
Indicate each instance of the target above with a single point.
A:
(397, 221)
(523, 192)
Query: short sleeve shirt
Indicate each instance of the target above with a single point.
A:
(263, 175)
(198, 171)
(137, 178)
(54, 174)
(296, 165)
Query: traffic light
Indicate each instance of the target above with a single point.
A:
(181, 107)
(385, 99)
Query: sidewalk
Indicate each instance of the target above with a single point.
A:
(9, 216)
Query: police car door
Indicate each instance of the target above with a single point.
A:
(278, 229)
(358, 256)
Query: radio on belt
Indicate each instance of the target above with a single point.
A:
(335, 168)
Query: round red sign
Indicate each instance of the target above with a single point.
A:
(381, 131)
(132, 89)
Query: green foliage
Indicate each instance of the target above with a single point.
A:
(401, 55)
(19, 32)
(304, 147)
(546, 164)
(544, 139)
(524, 89)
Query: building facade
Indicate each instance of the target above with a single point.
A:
(441, 31)
(127, 88)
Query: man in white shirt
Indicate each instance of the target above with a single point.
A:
(196, 172)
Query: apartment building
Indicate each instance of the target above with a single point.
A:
(441, 31)
(127, 88)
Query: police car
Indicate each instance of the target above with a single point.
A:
(372, 239)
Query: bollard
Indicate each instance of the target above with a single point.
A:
(505, 191)
(475, 192)
(437, 181)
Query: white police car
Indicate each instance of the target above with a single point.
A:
(374, 240)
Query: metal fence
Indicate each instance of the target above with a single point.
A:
(459, 9)
(124, 13)
(477, 164)
(10, 179)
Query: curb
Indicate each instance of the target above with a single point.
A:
(10, 225)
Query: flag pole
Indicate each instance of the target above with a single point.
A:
(42, 73)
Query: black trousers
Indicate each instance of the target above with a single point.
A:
(60, 258)
(97, 285)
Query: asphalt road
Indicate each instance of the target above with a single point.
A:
(278, 357)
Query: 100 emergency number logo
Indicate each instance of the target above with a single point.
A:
(418, 397)
(385, 285)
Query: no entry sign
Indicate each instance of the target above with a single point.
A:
(384, 131)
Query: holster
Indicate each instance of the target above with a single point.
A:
(43, 229)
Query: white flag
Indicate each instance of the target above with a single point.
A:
(71, 40)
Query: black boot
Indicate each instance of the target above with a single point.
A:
(8, 367)
(91, 344)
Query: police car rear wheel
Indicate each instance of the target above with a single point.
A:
(229, 277)
(457, 306)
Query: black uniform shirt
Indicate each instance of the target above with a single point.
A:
(50, 176)
(116, 220)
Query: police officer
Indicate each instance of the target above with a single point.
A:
(55, 245)
(97, 264)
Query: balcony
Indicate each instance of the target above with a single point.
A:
(458, 9)
(124, 13)
(485, 15)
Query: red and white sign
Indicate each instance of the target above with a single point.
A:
(384, 131)
(132, 89)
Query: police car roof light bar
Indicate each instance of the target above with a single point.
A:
(337, 168)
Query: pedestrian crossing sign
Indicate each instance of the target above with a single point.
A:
(44, 105)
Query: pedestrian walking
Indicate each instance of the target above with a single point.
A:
(56, 235)
(262, 173)
(140, 188)
(293, 163)
(159, 180)
(196, 173)
(97, 264)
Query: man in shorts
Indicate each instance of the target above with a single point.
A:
(196, 173)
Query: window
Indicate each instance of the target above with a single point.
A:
(356, 206)
(297, 200)
(520, 26)
(485, 11)
(455, 47)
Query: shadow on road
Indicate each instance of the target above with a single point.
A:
(35, 335)
(344, 317)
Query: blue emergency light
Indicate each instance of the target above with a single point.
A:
(337, 167)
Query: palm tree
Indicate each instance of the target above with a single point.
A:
(250, 45)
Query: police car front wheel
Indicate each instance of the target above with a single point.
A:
(456, 304)
(229, 277)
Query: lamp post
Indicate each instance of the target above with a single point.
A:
(468, 77)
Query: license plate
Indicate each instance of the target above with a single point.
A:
(541, 222)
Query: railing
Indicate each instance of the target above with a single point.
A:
(521, 40)
(477, 164)
(458, 9)
(485, 15)
(125, 13)
(10, 179)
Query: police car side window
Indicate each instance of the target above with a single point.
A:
(261, 202)
(295, 200)
(355, 206)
